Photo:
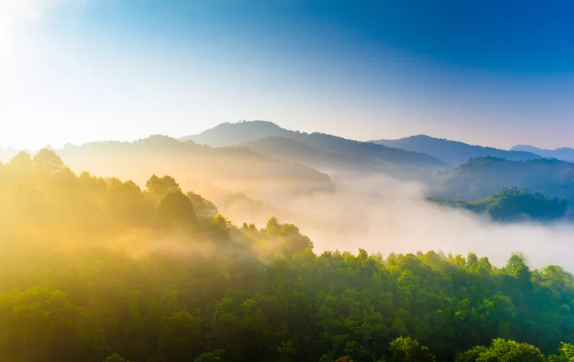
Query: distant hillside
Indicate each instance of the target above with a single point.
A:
(288, 148)
(511, 204)
(564, 153)
(236, 168)
(453, 152)
(482, 177)
(312, 148)
(231, 134)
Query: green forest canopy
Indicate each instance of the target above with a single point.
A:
(95, 269)
(512, 204)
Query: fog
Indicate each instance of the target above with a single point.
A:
(374, 212)
(381, 214)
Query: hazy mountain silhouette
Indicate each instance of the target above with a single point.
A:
(453, 152)
(482, 177)
(563, 153)
(238, 168)
(329, 148)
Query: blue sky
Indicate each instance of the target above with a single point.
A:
(496, 73)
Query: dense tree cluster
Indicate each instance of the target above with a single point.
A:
(512, 204)
(96, 269)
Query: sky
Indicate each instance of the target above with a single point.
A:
(490, 72)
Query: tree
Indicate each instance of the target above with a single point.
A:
(114, 358)
(408, 350)
(125, 203)
(21, 163)
(180, 338)
(48, 160)
(215, 356)
(39, 324)
(202, 207)
(472, 354)
(566, 354)
(159, 188)
(176, 206)
(502, 350)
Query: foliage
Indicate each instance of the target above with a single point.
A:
(95, 269)
(512, 204)
(503, 351)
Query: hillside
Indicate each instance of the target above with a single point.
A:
(235, 168)
(101, 270)
(511, 204)
(370, 156)
(453, 152)
(482, 177)
(563, 153)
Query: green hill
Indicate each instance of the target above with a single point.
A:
(512, 204)
(101, 270)
(237, 168)
(482, 177)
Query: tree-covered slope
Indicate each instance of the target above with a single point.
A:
(236, 167)
(511, 204)
(100, 270)
(453, 152)
(482, 177)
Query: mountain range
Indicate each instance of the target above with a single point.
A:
(454, 153)
(237, 168)
(265, 157)
(324, 152)
(564, 153)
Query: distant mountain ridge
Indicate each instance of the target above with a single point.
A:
(337, 149)
(454, 152)
(236, 167)
(563, 153)
(481, 177)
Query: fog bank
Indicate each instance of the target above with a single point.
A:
(381, 214)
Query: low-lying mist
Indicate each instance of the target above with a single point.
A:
(374, 212)
(382, 214)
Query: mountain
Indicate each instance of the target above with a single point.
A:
(511, 204)
(231, 134)
(316, 149)
(453, 152)
(235, 168)
(481, 177)
(564, 153)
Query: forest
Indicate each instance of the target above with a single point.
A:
(512, 204)
(104, 270)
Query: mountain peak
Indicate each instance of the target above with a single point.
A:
(233, 133)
